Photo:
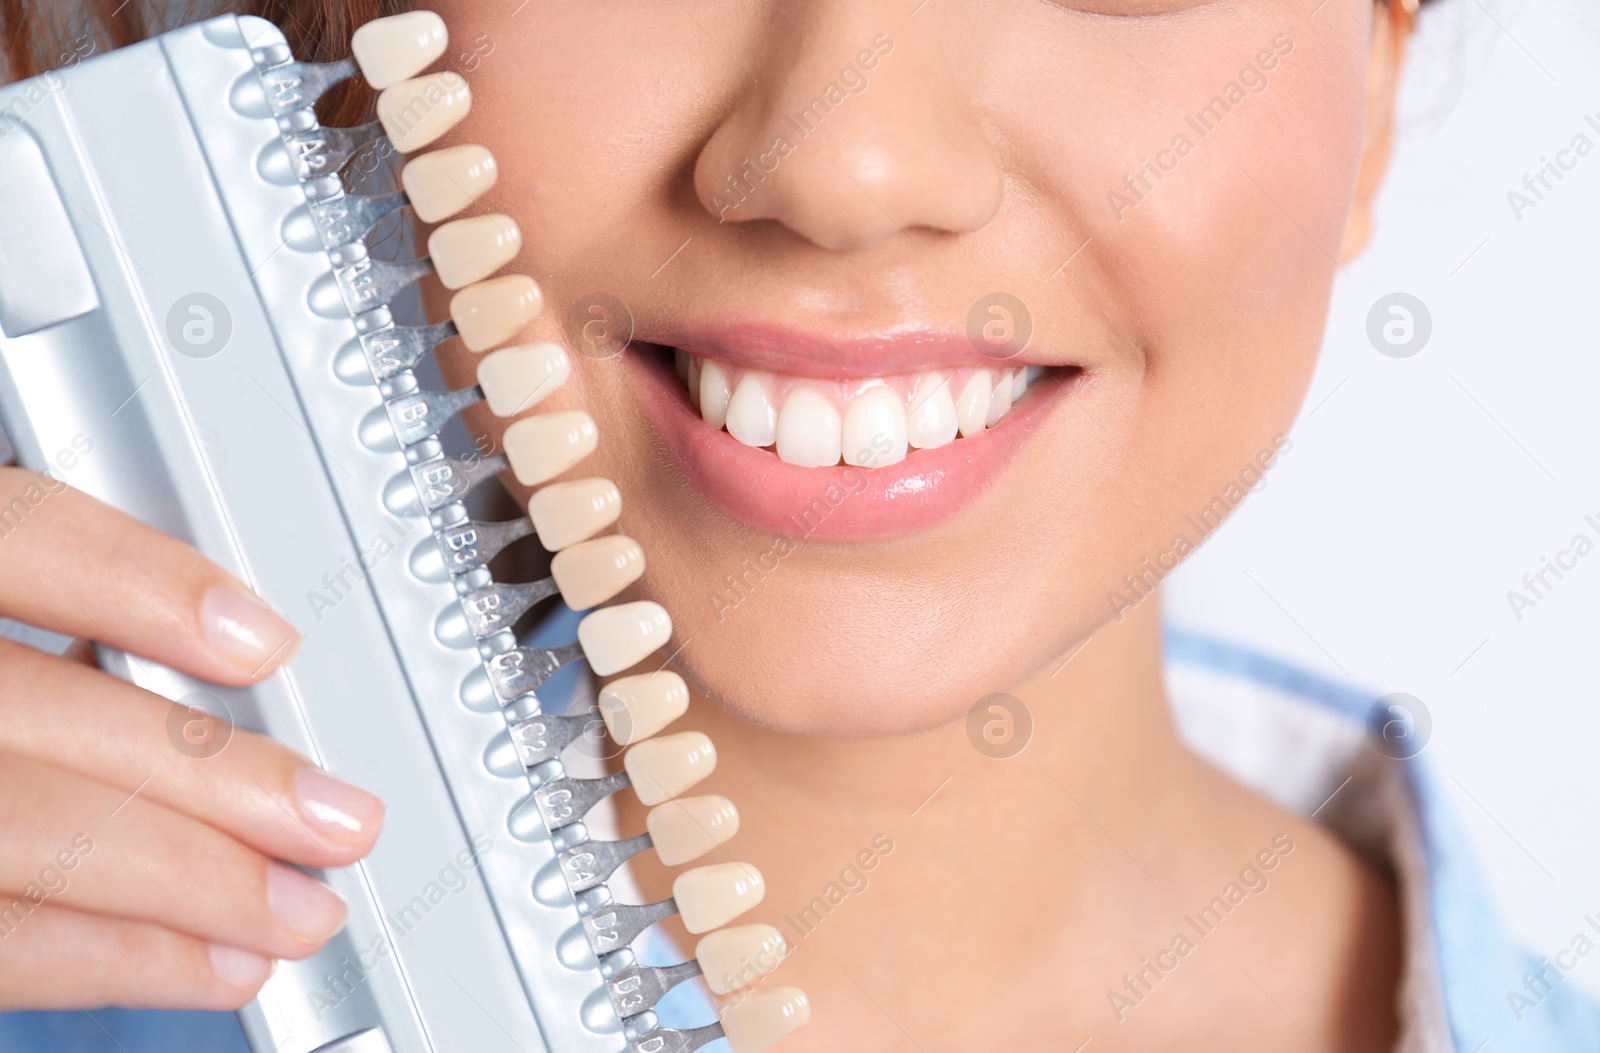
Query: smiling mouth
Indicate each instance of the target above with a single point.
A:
(870, 422)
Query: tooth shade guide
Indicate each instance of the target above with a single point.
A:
(661, 768)
(568, 512)
(493, 311)
(391, 49)
(415, 112)
(636, 707)
(469, 250)
(440, 183)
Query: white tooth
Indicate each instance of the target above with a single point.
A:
(1020, 384)
(932, 420)
(680, 362)
(751, 418)
(713, 394)
(694, 382)
(809, 431)
(1000, 400)
(875, 429)
(972, 407)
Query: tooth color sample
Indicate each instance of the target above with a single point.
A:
(416, 112)
(566, 513)
(591, 573)
(710, 897)
(751, 417)
(689, 827)
(738, 957)
(514, 379)
(972, 407)
(931, 420)
(875, 429)
(468, 250)
(636, 707)
(441, 183)
(763, 1018)
(615, 638)
(492, 312)
(400, 46)
(714, 394)
(545, 445)
(809, 430)
(662, 768)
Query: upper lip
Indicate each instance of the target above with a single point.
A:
(832, 356)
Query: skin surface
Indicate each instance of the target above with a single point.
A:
(981, 157)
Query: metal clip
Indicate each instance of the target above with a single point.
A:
(421, 414)
(515, 672)
(613, 927)
(542, 737)
(589, 864)
(470, 545)
(498, 605)
(396, 348)
(636, 990)
(298, 85)
(566, 801)
(446, 479)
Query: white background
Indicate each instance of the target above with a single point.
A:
(1420, 490)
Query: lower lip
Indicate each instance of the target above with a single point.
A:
(841, 503)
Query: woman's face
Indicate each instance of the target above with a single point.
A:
(846, 195)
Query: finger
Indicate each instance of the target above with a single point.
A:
(78, 843)
(76, 566)
(56, 958)
(243, 784)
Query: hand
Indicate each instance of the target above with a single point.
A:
(132, 872)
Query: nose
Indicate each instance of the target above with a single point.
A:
(851, 136)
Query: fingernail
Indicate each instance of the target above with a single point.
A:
(246, 631)
(241, 969)
(303, 907)
(344, 812)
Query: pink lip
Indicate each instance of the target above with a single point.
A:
(840, 503)
(824, 357)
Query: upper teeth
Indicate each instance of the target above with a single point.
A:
(815, 423)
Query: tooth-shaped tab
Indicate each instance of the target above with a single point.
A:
(662, 768)
(740, 956)
(421, 414)
(441, 183)
(636, 707)
(514, 673)
(566, 513)
(518, 378)
(470, 545)
(710, 897)
(563, 802)
(762, 1019)
(591, 573)
(619, 637)
(499, 604)
(542, 737)
(687, 828)
(391, 49)
(546, 445)
(468, 250)
(492, 312)
(589, 864)
(416, 112)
